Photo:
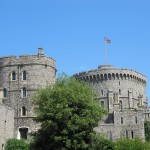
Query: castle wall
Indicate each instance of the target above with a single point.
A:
(38, 70)
(127, 127)
(6, 124)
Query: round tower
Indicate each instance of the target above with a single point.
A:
(117, 88)
(20, 77)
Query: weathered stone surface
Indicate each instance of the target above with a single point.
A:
(40, 71)
(122, 92)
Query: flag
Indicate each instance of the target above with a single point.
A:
(107, 40)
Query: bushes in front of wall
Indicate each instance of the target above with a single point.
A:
(14, 144)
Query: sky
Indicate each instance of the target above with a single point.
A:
(72, 32)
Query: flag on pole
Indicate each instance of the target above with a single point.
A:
(107, 40)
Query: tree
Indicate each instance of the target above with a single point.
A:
(68, 111)
(14, 144)
(147, 130)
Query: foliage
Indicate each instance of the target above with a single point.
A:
(128, 144)
(68, 111)
(147, 130)
(14, 144)
(102, 144)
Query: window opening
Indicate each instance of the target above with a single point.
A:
(102, 103)
(119, 91)
(24, 92)
(126, 134)
(4, 92)
(132, 134)
(23, 133)
(135, 119)
(121, 120)
(24, 75)
(23, 111)
(13, 76)
(102, 92)
(120, 102)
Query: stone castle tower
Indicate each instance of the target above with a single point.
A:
(20, 77)
(122, 92)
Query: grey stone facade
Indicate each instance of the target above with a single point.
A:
(122, 92)
(6, 124)
(20, 77)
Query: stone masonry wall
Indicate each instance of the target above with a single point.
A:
(40, 72)
(6, 124)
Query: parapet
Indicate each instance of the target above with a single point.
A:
(40, 59)
(105, 72)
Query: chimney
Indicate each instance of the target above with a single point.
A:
(40, 52)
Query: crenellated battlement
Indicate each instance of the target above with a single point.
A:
(110, 73)
(27, 60)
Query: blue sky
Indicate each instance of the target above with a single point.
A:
(72, 32)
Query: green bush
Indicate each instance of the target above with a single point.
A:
(136, 144)
(14, 144)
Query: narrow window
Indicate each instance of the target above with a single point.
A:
(132, 134)
(24, 92)
(119, 82)
(13, 76)
(135, 119)
(23, 133)
(102, 103)
(121, 120)
(24, 75)
(119, 91)
(126, 134)
(102, 93)
(4, 92)
(120, 104)
(23, 111)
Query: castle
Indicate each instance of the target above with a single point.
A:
(122, 92)
(20, 78)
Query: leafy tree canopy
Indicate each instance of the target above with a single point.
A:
(68, 111)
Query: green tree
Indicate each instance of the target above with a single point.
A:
(147, 130)
(14, 144)
(68, 111)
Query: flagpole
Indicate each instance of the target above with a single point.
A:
(105, 52)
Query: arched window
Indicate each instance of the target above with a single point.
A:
(109, 76)
(24, 75)
(101, 76)
(113, 76)
(23, 111)
(4, 92)
(121, 120)
(117, 76)
(105, 76)
(24, 92)
(121, 76)
(120, 103)
(124, 76)
(102, 103)
(13, 76)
